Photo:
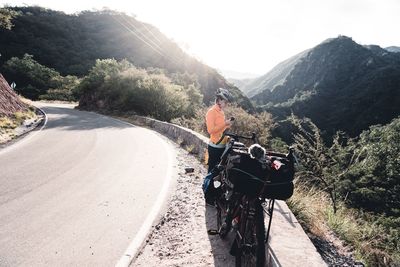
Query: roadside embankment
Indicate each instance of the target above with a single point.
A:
(16, 125)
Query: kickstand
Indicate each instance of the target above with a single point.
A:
(269, 212)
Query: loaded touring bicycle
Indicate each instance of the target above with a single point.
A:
(244, 187)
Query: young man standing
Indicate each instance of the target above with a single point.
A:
(216, 125)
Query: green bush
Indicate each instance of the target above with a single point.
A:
(121, 87)
(66, 90)
(32, 78)
(374, 180)
(6, 16)
(36, 81)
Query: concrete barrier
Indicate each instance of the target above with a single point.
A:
(289, 245)
(193, 141)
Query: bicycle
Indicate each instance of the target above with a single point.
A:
(245, 189)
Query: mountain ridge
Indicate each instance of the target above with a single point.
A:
(393, 49)
(335, 82)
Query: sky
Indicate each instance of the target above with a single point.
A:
(252, 36)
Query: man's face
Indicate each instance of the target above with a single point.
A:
(222, 103)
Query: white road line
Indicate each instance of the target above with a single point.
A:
(135, 245)
(28, 137)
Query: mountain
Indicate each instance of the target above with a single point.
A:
(275, 77)
(237, 78)
(393, 49)
(339, 84)
(237, 75)
(70, 44)
(240, 83)
(9, 100)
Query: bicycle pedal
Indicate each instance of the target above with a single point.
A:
(212, 232)
(248, 249)
(224, 230)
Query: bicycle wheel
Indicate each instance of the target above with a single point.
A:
(251, 247)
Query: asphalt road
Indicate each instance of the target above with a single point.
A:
(77, 192)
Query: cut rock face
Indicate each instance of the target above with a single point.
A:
(9, 100)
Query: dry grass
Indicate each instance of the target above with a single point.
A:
(309, 205)
(314, 211)
(20, 117)
(7, 123)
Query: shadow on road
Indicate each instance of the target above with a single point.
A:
(76, 120)
(220, 248)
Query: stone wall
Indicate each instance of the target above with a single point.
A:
(193, 141)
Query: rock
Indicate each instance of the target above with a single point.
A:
(189, 170)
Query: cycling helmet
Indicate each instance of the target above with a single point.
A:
(224, 94)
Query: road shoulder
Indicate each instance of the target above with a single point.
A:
(180, 238)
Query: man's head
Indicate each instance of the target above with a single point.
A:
(222, 97)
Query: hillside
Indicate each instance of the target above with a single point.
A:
(274, 77)
(394, 49)
(339, 84)
(70, 44)
(9, 100)
(240, 83)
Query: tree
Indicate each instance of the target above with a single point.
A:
(191, 86)
(36, 81)
(65, 91)
(374, 179)
(121, 87)
(322, 165)
(32, 78)
(6, 16)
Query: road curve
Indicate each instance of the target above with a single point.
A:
(77, 192)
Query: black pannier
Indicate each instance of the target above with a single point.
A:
(272, 180)
(279, 184)
(246, 174)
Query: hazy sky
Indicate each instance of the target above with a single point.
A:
(253, 35)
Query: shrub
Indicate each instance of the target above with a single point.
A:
(66, 90)
(36, 81)
(32, 78)
(374, 179)
(119, 86)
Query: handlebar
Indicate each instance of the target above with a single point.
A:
(237, 137)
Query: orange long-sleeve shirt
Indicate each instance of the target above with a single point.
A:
(215, 120)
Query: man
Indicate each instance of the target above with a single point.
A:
(216, 125)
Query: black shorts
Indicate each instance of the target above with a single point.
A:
(214, 156)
